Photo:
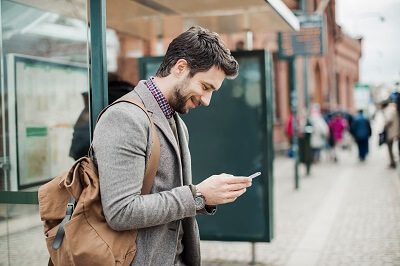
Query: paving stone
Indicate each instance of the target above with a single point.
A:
(365, 229)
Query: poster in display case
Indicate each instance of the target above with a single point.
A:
(45, 99)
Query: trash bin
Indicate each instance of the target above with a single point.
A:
(305, 151)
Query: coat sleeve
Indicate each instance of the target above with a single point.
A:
(120, 143)
(388, 116)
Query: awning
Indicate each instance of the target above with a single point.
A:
(149, 19)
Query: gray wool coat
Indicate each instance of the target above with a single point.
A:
(122, 145)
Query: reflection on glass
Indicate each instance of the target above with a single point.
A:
(48, 102)
(47, 30)
(81, 133)
(248, 83)
(45, 74)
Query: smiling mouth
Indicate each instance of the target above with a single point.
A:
(195, 103)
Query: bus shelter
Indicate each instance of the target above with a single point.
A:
(54, 70)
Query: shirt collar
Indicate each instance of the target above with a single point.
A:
(160, 98)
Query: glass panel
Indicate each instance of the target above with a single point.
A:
(44, 92)
(44, 105)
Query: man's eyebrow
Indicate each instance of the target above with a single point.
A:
(209, 85)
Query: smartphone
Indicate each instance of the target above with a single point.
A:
(255, 175)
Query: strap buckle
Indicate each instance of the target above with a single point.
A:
(70, 208)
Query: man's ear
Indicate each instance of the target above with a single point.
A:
(180, 67)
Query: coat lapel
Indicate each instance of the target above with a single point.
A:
(156, 113)
(185, 152)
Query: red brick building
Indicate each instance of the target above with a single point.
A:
(330, 77)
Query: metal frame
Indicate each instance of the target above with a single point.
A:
(269, 142)
(19, 197)
(99, 87)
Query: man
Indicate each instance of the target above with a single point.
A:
(391, 128)
(337, 126)
(195, 65)
(320, 132)
(361, 130)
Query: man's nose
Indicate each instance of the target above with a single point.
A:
(206, 98)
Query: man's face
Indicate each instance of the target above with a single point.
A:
(189, 93)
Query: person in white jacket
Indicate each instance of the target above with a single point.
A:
(320, 132)
(391, 128)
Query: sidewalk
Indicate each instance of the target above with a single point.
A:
(343, 214)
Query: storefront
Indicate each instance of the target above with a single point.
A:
(54, 84)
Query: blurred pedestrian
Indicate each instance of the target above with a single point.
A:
(326, 112)
(396, 99)
(346, 115)
(391, 128)
(290, 131)
(320, 132)
(337, 126)
(117, 87)
(361, 131)
(81, 133)
(347, 138)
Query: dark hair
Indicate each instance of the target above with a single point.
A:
(202, 49)
(117, 87)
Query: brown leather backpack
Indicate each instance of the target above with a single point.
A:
(74, 224)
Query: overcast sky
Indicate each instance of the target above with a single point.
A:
(380, 62)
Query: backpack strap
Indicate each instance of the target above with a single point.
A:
(60, 232)
(152, 165)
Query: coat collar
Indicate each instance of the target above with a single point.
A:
(156, 113)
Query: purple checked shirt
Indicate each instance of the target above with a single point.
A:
(162, 102)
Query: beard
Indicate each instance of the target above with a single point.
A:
(179, 96)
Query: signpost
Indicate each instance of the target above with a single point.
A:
(310, 41)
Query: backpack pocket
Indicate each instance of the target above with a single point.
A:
(90, 249)
(61, 256)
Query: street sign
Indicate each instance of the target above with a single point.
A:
(362, 96)
(309, 41)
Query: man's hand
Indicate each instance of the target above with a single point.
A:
(223, 188)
